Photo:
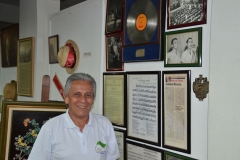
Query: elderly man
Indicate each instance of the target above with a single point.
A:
(77, 134)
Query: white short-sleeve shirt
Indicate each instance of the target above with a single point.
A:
(60, 139)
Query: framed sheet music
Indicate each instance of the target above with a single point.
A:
(121, 140)
(176, 101)
(143, 112)
(114, 100)
(140, 151)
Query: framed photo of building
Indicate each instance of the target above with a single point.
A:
(176, 110)
(183, 48)
(25, 67)
(9, 45)
(114, 52)
(114, 16)
(19, 119)
(53, 47)
(143, 106)
(184, 13)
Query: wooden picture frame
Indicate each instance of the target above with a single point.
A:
(143, 106)
(114, 52)
(114, 14)
(9, 45)
(114, 98)
(19, 120)
(183, 48)
(53, 48)
(174, 156)
(136, 150)
(25, 67)
(185, 14)
(176, 110)
(121, 140)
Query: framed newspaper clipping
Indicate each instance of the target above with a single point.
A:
(176, 101)
(143, 106)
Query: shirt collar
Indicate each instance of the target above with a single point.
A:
(68, 123)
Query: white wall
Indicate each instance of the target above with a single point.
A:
(224, 101)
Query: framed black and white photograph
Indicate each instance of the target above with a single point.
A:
(176, 110)
(114, 52)
(121, 140)
(141, 151)
(143, 106)
(184, 13)
(114, 16)
(183, 48)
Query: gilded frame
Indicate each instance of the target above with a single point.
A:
(53, 48)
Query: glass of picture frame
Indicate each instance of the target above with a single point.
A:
(176, 110)
(143, 106)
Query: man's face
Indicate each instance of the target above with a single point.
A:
(80, 99)
(190, 42)
(175, 44)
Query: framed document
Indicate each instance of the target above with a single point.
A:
(121, 138)
(143, 111)
(53, 48)
(140, 151)
(114, 100)
(176, 101)
(183, 48)
(174, 156)
(21, 123)
(186, 13)
(25, 67)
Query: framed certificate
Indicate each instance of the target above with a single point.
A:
(143, 113)
(176, 101)
(121, 138)
(114, 101)
(174, 156)
(140, 151)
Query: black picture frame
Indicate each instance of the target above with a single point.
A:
(143, 106)
(176, 110)
(121, 140)
(114, 52)
(182, 14)
(114, 14)
(114, 97)
(174, 156)
(183, 48)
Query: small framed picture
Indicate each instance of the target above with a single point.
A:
(174, 156)
(183, 48)
(176, 110)
(183, 13)
(114, 14)
(114, 52)
(53, 49)
(121, 140)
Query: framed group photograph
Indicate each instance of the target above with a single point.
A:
(9, 45)
(185, 13)
(114, 52)
(121, 138)
(21, 123)
(25, 67)
(114, 99)
(174, 156)
(114, 14)
(140, 151)
(183, 48)
(53, 47)
(176, 110)
(143, 106)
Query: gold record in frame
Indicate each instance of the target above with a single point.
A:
(142, 21)
(25, 67)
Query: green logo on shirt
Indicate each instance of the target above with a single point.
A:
(100, 147)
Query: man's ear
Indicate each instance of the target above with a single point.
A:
(66, 99)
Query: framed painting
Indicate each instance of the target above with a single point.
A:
(183, 13)
(9, 45)
(114, 99)
(141, 151)
(53, 47)
(176, 110)
(25, 67)
(121, 138)
(183, 48)
(21, 123)
(143, 106)
(174, 156)
(114, 52)
(114, 15)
